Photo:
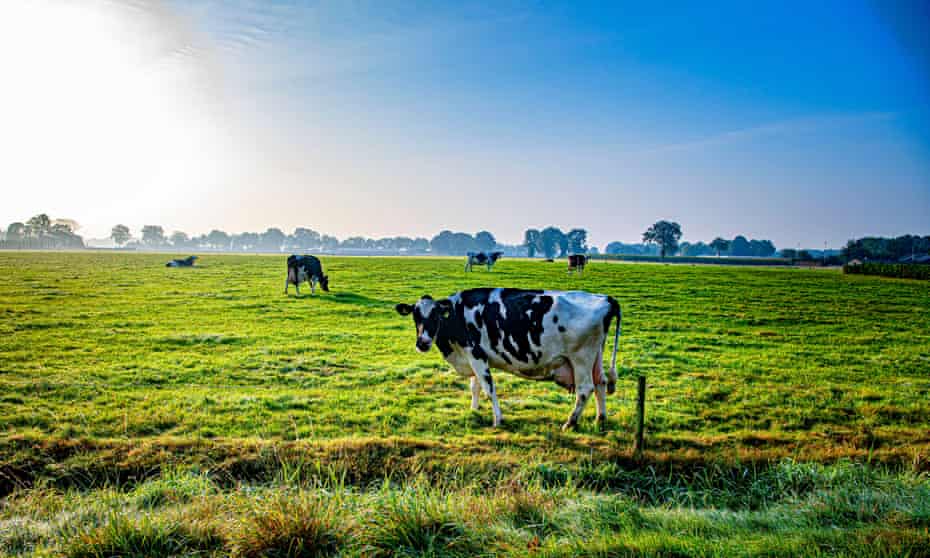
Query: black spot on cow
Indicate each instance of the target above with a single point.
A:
(489, 380)
(479, 353)
(555, 319)
(562, 328)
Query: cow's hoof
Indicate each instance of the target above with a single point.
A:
(611, 387)
(602, 423)
(569, 426)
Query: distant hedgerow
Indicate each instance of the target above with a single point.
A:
(901, 271)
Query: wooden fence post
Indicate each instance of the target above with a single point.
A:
(640, 414)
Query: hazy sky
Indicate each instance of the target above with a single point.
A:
(800, 122)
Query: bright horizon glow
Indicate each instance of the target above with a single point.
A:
(799, 124)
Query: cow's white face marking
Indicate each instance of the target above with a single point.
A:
(424, 307)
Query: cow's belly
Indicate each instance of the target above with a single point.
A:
(531, 371)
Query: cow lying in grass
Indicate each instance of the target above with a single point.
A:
(186, 262)
(538, 335)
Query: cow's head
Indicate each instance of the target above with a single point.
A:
(428, 315)
(324, 282)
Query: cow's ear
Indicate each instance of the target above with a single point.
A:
(445, 308)
(403, 309)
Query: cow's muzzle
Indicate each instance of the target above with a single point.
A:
(423, 345)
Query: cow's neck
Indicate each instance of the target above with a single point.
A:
(449, 335)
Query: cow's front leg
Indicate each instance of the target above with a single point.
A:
(312, 286)
(475, 392)
(483, 373)
(297, 288)
(287, 283)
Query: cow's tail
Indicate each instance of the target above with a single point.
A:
(614, 312)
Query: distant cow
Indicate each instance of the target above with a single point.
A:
(186, 262)
(482, 258)
(305, 268)
(576, 262)
(538, 335)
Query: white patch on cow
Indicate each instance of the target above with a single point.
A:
(426, 306)
(495, 296)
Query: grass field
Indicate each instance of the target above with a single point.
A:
(204, 411)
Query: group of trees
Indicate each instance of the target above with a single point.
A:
(42, 232)
(552, 242)
(272, 240)
(873, 248)
(662, 239)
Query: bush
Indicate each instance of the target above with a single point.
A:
(901, 271)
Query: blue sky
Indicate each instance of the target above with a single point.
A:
(793, 121)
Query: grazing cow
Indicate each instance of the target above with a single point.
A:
(576, 262)
(305, 268)
(186, 262)
(482, 258)
(538, 335)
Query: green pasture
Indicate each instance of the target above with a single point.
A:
(115, 369)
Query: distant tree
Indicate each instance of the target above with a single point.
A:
(16, 232)
(273, 239)
(355, 242)
(218, 240)
(789, 253)
(179, 239)
(577, 241)
(665, 234)
(120, 234)
(38, 226)
(485, 241)
(740, 247)
(153, 235)
(419, 245)
(720, 245)
(531, 239)
(551, 240)
(805, 256)
(329, 243)
(448, 242)
(246, 241)
(305, 239)
(630, 249)
(593, 251)
(72, 225)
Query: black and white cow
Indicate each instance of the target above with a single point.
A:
(482, 258)
(538, 335)
(186, 262)
(305, 268)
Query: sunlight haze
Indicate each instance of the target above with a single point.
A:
(800, 124)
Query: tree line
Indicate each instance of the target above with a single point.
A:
(305, 239)
(41, 232)
(663, 239)
(881, 249)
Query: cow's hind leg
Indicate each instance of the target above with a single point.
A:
(584, 387)
(600, 389)
(475, 392)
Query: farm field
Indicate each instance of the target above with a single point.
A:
(788, 412)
